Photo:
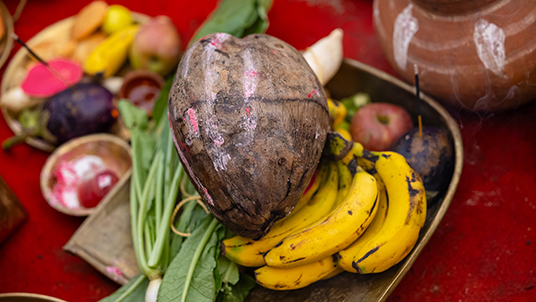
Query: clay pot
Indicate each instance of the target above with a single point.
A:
(142, 88)
(478, 55)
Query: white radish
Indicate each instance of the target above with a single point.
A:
(152, 290)
(325, 56)
(15, 100)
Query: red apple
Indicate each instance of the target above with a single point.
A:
(378, 125)
(156, 47)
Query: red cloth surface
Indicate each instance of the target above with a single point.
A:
(483, 250)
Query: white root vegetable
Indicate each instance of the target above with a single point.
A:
(113, 84)
(152, 290)
(325, 56)
(15, 100)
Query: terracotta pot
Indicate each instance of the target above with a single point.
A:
(142, 88)
(478, 55)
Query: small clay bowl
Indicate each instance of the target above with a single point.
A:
(142, 88)
(114, 152)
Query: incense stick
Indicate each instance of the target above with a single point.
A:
(50, 68)
(418, 94)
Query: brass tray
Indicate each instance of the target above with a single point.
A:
(16, 71)
(111, 221)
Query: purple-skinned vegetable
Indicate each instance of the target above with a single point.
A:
(83, 109)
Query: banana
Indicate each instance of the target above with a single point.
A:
(345, 133)
(337, 271)
(389, 243)
(383, 205)
(332, 233)
(296, 277)
(248, 252)
(345, 182)
(312, 188)
(337, 112)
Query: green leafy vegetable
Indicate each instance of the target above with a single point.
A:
(132, 116)
(237, 292)
(133, 291)
(161, 104)
(236, 17)
(190, 276)
(228, 270)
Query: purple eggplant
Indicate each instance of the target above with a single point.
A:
(83, 109)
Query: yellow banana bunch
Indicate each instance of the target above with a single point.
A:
(390, 239)
(337, 112)
(364, 214)
(297, 277)
(332, 233)
(248, 252)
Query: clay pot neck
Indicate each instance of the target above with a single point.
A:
(453, 7)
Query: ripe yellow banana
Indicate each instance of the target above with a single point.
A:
(345, 133)
(337, 271)
(345, 182)
(296, 277)
(389, 244)
(248, 252)
(383, 205)
(332, 233)
(337, 112)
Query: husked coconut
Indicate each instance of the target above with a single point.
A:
(249, 118)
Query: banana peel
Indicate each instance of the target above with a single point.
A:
(112, 53)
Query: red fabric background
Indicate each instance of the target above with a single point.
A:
(482, 251)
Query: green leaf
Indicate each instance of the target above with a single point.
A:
(182, 225)
(220, 231)
(261, 24)
(237, 292)
(237, 18)
(198, 216)
(203, 242)
(132, 116)
(228, 270)
(133, 291)
(161, 104)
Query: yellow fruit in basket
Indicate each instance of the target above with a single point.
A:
(117, 18)
(86, 46)
(111, 54)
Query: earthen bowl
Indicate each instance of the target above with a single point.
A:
(114, 152)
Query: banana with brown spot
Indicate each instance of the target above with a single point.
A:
(334, 232)
(297, 277)
(392, 242)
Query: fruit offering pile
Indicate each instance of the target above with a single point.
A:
(362, 213)
(107, 47)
